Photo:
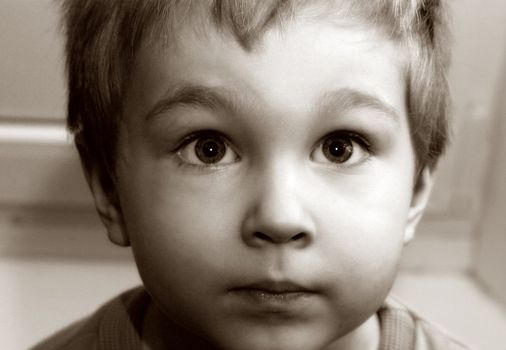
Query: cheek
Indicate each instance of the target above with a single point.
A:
(364, 249)
(362, 237)
(178, 230)
(362, 261)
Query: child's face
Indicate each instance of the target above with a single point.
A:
(267, 194)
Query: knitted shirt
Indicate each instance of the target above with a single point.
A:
(117, 325)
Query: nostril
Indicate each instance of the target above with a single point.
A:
(262, 236)
(272, 239)
(298, 236)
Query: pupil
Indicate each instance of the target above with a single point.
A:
(210, 150)
(338, 149)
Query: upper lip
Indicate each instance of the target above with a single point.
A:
(277, 287)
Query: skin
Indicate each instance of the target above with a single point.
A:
(275, 207)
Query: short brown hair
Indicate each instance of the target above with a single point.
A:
(103, 38)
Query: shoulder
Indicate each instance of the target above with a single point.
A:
(402, 328)
(122, 314)
(77, 336)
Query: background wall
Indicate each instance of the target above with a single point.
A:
(490, 251)
(49, 232)
(31, 83)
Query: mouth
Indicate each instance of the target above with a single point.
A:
(276, 287)
(274, 297)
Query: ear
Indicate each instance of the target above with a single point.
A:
(109, 211)
(421, 193)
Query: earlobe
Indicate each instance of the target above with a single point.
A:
(421, 194)
(109, 212)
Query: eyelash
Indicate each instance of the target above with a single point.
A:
(192, 137)
(358, 138)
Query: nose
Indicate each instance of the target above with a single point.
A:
(278, 214)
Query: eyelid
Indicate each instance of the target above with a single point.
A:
(355, 136)
(185, 141)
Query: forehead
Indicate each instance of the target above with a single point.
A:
(300, 62)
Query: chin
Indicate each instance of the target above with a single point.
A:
(269, 340)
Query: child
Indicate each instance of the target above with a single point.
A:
(265, 160)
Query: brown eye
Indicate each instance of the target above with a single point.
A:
(210, 150)
(342, 148)
(207, 149)
(338, 148)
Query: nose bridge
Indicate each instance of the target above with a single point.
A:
(279, 190)
(278, 213)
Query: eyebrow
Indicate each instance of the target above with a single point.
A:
(346, 99)
(338, 101)
(212, 98)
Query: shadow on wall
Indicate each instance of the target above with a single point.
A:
(490, 264)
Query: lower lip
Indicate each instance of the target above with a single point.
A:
(267, 302)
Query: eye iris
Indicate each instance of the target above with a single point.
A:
(210, 150)
(337, 149)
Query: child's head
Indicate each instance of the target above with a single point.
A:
(266, 160)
